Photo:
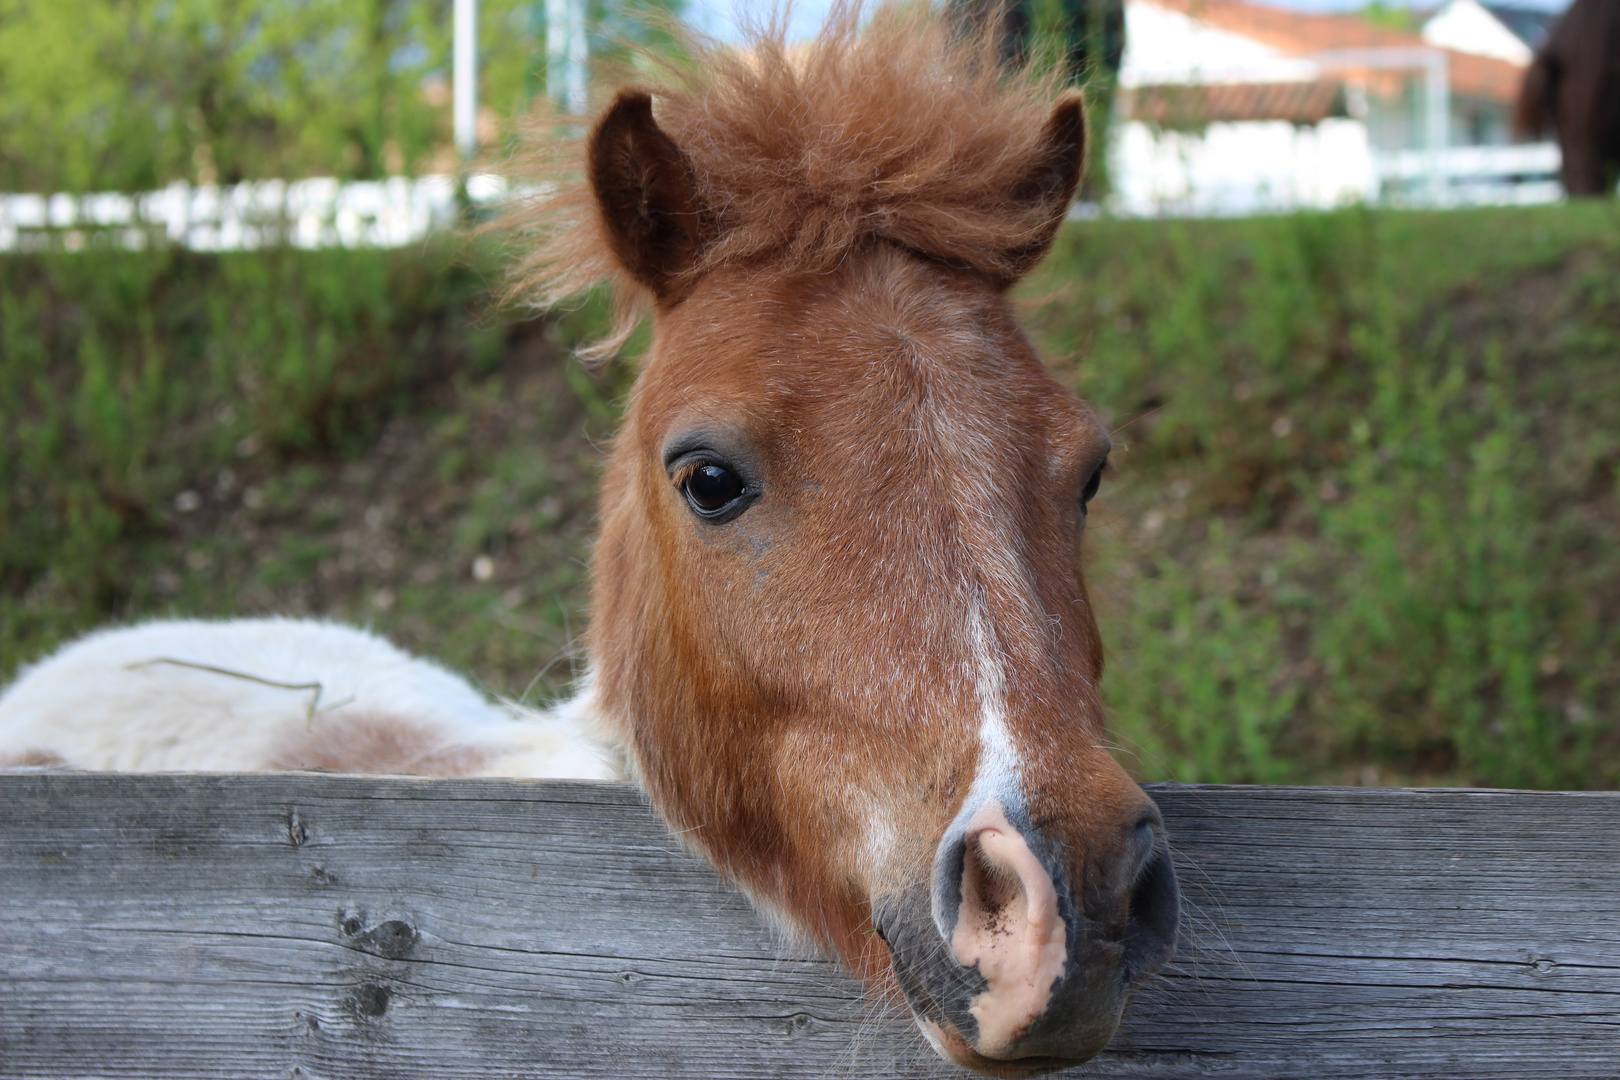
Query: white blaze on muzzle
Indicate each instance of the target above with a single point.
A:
(1007, 924)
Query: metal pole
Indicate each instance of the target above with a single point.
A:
(567, 54)
(578, 57)
(465, 77)
(1439, 115)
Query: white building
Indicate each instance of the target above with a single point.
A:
(1468, 26)
(1229, 106)
(1505, 31)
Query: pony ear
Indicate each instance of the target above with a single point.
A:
(647, 195)
(1051, 181)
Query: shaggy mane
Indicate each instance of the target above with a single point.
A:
(905, 130)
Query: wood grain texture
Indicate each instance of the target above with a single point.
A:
(337, 927)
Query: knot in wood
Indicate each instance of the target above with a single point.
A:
(392, 940)
(297, 829)
(370, 999)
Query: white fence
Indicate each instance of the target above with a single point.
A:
(1474, 175)
(317, 213)
(1231, 169)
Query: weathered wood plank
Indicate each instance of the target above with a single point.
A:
(327, 926)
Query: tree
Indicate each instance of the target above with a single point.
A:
(133, 94)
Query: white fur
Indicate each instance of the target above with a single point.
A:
(999, 770)
(998, 775)
(143, 698)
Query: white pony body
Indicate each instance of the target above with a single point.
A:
(249, 695)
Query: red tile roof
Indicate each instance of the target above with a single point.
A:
(1298, 33)
(1183, 106)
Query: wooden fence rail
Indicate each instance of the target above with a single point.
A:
(341, 927)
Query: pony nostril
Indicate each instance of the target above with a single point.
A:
(1004, 927)
(1145, 840)
(1155, 906)
(994, 885)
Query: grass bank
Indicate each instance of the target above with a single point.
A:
(338, 433)
(1360, 529)
(1363, 527)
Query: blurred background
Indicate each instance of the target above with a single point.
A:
(1360, 349)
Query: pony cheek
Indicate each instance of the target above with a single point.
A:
(735, 585)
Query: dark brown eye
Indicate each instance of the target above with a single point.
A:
(1089, 492)
(712, 488)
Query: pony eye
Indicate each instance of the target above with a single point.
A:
(711, 488)
(1089, 492)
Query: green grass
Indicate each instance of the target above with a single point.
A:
(335, 433)
(1360, 526)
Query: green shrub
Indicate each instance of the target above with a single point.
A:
(123, 375)
(1365, 488)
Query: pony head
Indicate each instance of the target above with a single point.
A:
(839, 622)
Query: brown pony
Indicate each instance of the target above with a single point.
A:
(838, 620)
(1572, 87)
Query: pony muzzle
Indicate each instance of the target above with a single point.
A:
(1009, 969)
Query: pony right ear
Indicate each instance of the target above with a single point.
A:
(647, 195)
(1054, 175)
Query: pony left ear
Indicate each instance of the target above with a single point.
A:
(647, 195)
(1051, 182)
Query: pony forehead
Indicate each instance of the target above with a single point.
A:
(887, 338)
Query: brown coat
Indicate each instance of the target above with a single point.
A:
(1573, 89)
